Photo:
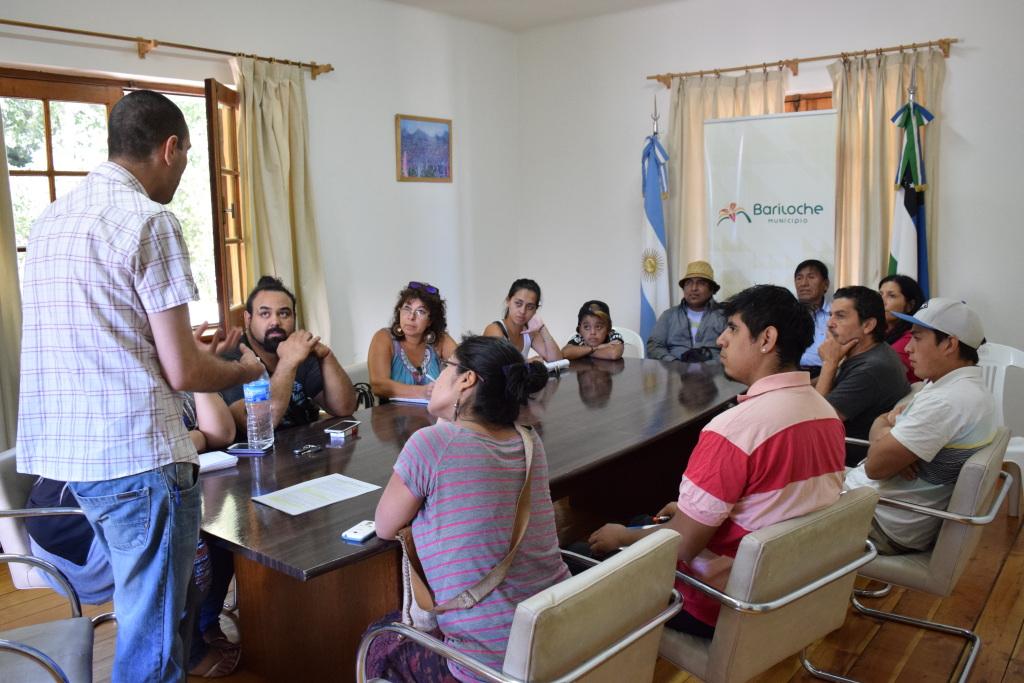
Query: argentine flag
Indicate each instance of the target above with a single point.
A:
(654, 260)
(908, 250)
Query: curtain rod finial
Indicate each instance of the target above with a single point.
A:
(317, 69)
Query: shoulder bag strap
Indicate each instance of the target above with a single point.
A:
(474, 594)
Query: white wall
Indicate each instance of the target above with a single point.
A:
(548, 127)
(376, 233)
(585, 107)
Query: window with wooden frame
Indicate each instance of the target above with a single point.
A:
(55, 129)
(811, 101)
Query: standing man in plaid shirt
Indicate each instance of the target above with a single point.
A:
(106, 346)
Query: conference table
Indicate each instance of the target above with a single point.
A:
(617, 436)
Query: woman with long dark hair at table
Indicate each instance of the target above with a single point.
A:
(521, 325)
(458, 482)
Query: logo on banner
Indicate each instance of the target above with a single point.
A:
(731, 212)
(653, 264)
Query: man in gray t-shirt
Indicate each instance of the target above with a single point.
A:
(861, 376)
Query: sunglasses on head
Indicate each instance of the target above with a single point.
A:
(424, 286)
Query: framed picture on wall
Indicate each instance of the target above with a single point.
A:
(423, 149)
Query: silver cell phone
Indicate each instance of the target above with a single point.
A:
(342, 428)
(244, 450)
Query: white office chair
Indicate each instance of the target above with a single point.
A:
(60, 649)
(600, 625)
(974, 503)
(788, 587)
(994, 359)
(14, 490)
(635, 347)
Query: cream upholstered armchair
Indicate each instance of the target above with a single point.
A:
(14, 490)
(974, 503)
(61, 648)
(603, 623)
(788, 587)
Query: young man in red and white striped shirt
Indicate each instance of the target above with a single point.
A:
(777, 455)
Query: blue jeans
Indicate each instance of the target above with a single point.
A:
(148, 524)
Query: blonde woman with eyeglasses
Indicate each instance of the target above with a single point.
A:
(404, 359)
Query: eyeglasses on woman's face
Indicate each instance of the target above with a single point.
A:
(459, 367)
(414, 313)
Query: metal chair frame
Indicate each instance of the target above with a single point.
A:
(972, 638)
(494, 676)
(72, 596)
(734, 604)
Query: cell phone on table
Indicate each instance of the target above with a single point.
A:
(342, 428)
(245, 450)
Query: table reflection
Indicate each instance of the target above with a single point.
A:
(594, 380)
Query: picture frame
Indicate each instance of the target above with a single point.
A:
(423, 149)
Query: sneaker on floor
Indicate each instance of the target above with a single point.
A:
(217, 663)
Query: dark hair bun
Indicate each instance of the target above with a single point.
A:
(267, 280)
(524, 379)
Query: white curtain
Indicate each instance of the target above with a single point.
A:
(867, 91)
(277, 197)
(10, 309)
(695, 100)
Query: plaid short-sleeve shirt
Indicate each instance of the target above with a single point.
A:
(94, 404)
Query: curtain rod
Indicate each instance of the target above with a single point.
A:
(794, 64)
(147, 45)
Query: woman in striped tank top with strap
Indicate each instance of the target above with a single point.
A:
(458, 482)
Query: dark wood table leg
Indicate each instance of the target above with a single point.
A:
(295, 630)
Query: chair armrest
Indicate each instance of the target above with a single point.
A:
(487, 673)
(41, 512)
(49, 568)
(973, 520)
(39, 656)
(857, 442)
(760, 607)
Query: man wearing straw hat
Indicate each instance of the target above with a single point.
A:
(689, 331)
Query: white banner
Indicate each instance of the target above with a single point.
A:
(771, 196)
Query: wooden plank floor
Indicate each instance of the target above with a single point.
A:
(988, 598)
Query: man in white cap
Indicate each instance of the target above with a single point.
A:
(918, 449)
(689, 332)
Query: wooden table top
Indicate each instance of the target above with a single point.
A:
(591, 414)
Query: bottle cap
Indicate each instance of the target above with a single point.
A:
(257, 390)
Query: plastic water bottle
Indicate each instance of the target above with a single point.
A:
(259, 422)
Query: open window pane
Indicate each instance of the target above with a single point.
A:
(229, 143)
(79, 132)
(30, 195)
(192, 207)
(24, 134)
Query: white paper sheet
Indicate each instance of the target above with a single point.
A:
(315, 493)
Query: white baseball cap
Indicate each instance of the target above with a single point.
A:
(951, 317)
